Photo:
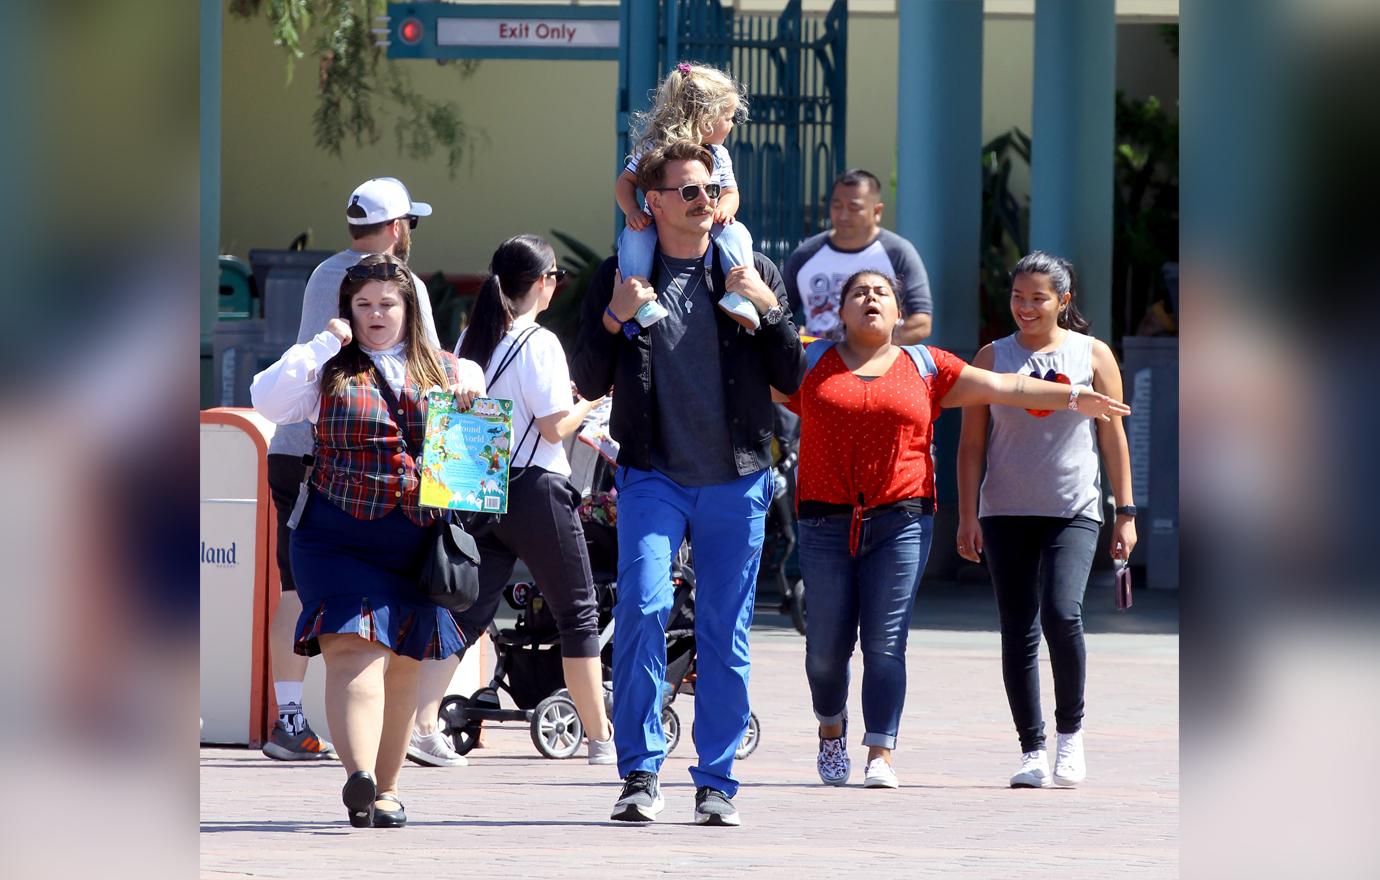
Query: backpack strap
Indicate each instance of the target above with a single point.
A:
(924, 361)
(816, 350)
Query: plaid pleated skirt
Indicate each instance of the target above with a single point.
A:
(359, 577)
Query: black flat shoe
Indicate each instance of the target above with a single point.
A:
(390, 818)
(358, 794)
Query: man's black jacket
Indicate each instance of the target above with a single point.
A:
(749, 364)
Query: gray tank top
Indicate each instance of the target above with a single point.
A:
(1042, 464)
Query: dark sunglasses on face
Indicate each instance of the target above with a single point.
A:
(691, 191)
(740, 116)
(412, 221)
(378, 272)
(558, 273)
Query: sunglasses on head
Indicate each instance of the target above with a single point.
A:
(558, 273)
(378, 272)
(691, 191)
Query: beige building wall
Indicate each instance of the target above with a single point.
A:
(546, 158)
(546, 161)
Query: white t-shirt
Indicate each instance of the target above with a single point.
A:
(538, 383)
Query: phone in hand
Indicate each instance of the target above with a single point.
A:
(1123, 583)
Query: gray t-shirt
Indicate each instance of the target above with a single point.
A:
(320, 303)
(692, 446)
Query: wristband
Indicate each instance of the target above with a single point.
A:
(608, 310)
(1073, 397)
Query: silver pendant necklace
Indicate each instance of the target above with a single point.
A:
(674, 284)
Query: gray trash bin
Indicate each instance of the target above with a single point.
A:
(1151, 375)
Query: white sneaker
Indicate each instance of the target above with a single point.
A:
(434, 750)
(740, 310)
(1070, 768)
(601, 751)
(880, 775)
(1034, 772)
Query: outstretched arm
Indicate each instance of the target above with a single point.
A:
(979, 386)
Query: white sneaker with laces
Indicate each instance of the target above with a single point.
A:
(880, 774)
(601, 751)
(434, 750)
(1070, 767)
(1034, 772)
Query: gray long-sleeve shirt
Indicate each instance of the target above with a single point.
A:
(320, 303)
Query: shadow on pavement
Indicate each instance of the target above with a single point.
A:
(969, 606)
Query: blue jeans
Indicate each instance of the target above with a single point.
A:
(725, 525)
(636, 249)
(872, 593)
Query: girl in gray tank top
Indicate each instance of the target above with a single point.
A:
(1037, 516)
(1042, 462)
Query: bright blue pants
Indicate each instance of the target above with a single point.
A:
(636, 249)
(725, 525)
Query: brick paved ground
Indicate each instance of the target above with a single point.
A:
(514, 813)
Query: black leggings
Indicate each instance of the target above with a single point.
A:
(542, 529)
(1039, 567)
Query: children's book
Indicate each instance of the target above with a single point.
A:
(466, 455)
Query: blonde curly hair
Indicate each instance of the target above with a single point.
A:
(689, 102)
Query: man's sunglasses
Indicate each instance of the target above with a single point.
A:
(691, 191)
(412, 221)
(378, 272)
(558, 273)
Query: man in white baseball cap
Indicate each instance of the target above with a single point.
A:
(381, 216)
(383, 208)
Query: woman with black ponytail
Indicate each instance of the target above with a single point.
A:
(1039, 509)
(525, 362)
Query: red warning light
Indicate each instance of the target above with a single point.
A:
(410, 31)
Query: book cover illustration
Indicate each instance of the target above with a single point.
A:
(465, 456)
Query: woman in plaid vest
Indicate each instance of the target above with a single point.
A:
(357, 548)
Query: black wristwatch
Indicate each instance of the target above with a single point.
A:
(1126, 510)
(772, 316)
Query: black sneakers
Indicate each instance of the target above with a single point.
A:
(713, 807)
(641, 798)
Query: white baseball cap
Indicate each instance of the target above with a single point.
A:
(383, 198)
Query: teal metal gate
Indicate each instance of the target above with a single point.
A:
(794, 68)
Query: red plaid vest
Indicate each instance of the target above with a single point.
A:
(362, 463)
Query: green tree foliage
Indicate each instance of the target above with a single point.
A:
(358, 87)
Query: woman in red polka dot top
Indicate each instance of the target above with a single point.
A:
(866, 504)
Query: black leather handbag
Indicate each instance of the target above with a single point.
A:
(450, 563)
(450, 569)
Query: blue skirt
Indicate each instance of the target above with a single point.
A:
(359, 576)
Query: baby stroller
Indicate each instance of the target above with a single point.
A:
(528, 669)
(528, 666)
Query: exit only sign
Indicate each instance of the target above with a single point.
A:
(450, 30)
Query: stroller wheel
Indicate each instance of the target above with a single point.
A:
(455, 722)
(556, 727)
(750, 739)
(670, 724)
(797, 606)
